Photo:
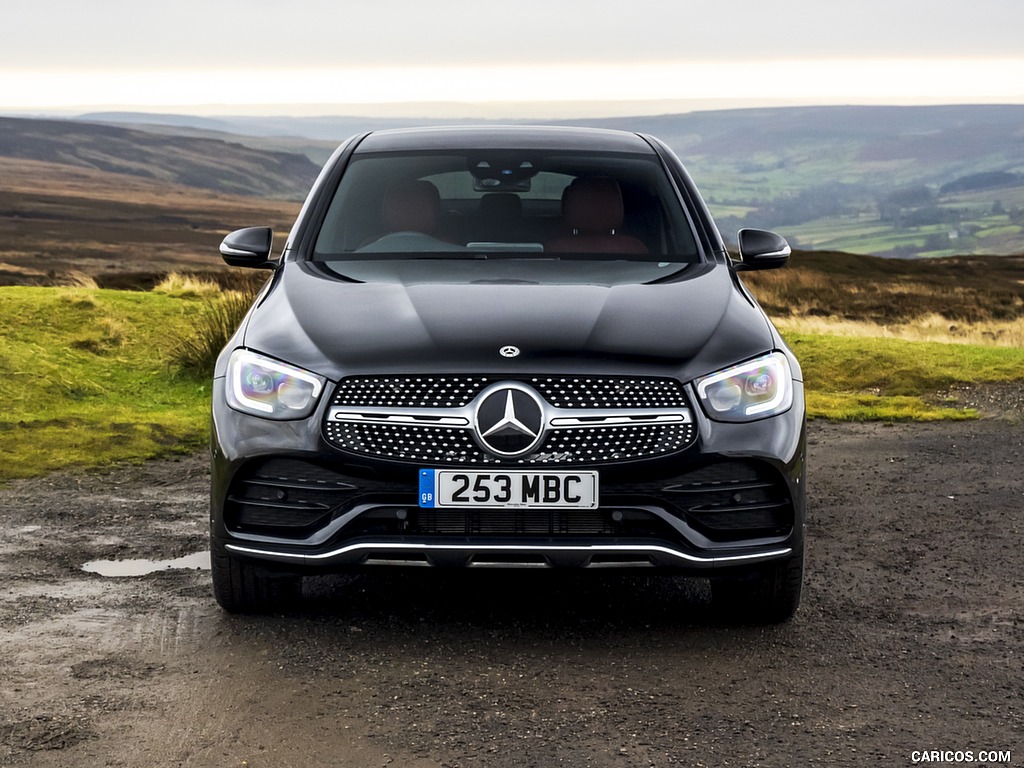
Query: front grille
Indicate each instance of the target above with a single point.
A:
(561, 391)
(444, 444)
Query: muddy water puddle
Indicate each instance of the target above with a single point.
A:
(144, 567)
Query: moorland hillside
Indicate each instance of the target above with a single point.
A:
(60, 221)
(205, 163)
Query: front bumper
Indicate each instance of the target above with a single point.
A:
(282, 495)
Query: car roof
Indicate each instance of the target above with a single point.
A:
(504, 137)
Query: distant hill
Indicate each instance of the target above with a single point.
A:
(331, 129)
(205, 163)
(932, 138)
(838, 178)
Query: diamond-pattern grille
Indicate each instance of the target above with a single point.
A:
(406, 442)
(409, 391)
(444, 444)
(600, 444)
(456, 446)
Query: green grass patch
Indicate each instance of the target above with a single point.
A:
(845, 406)
(871, 379)
(1000, 231)
(87, 380)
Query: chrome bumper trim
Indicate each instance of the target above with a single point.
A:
(402, 550)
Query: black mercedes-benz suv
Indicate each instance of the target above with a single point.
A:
(507, 347)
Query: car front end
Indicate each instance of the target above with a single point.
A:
(476, 399)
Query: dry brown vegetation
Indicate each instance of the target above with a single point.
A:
(977, 299)
(1000, 333)
(59, 220)
(208, 162)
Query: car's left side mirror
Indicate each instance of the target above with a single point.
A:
(249, 247)
(761, 249)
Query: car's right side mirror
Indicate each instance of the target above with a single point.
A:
(761, 249)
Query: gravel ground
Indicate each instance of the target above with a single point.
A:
(909, 638)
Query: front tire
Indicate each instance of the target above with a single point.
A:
(243, 587)
(767, 595)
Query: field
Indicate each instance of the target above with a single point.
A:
(58, 221)
(983, 295)
(972, 224)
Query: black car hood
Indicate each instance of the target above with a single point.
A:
(690, 326)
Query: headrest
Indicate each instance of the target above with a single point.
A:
(593, 205)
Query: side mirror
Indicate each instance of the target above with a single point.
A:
(249, 247)
(760, 249)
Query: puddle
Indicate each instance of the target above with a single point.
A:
(200, 560)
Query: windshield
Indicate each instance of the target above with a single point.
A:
(505, 216)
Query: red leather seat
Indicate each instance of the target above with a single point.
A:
(593, 212)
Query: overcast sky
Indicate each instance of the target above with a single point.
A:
(311, 55)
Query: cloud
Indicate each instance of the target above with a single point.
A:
(265, 34)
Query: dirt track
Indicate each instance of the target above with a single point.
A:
(909, 637)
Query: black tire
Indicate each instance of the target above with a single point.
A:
(244, 587)
(767, 595)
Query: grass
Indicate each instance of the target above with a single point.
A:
(194, 350)
(223, 304)
(860, 378)
(87, 380)
(930, 327)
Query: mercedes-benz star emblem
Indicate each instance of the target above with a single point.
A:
(509, 351)
(509, 419)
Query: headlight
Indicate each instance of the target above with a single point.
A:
(748, 391)
(267, 388)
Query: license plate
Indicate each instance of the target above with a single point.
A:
(512, 489)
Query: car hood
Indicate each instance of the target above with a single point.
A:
(693, 325)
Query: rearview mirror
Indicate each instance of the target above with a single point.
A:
(760, 249)
(249, 247)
